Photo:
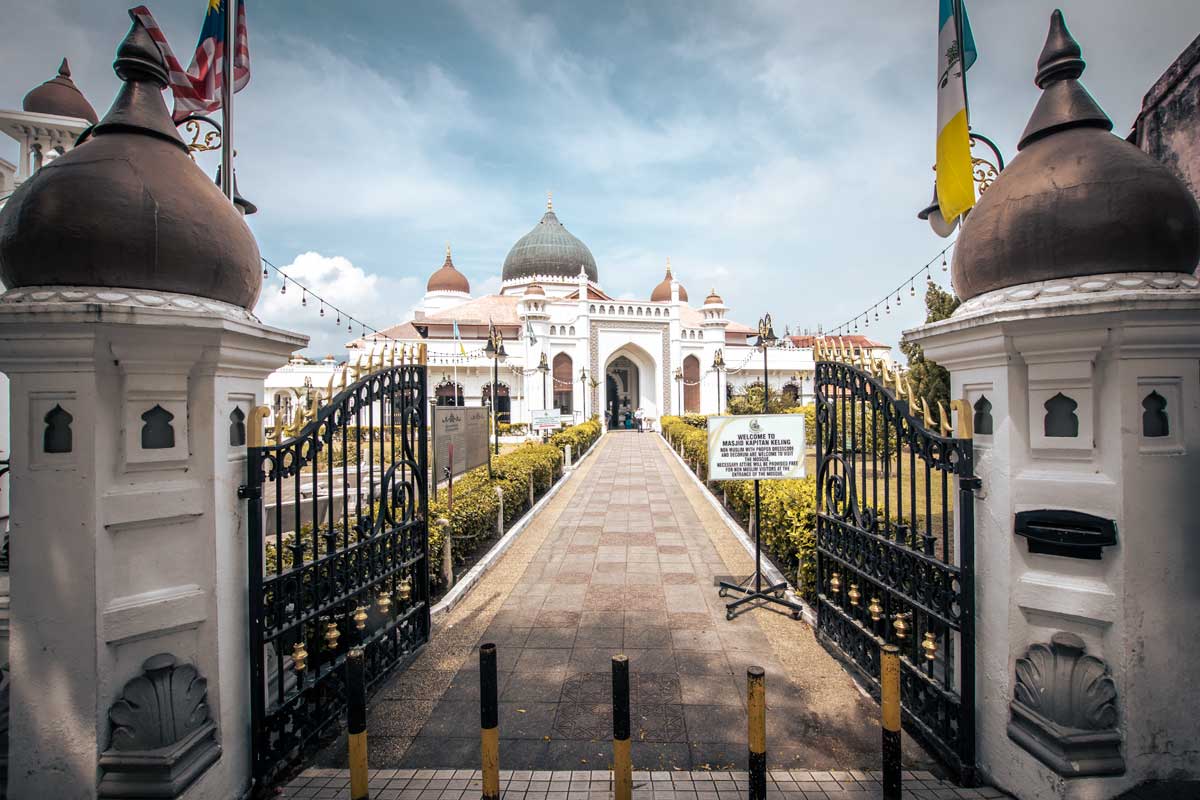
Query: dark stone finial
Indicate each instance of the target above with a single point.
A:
(1061, 58)
(139, 57)
(64, 69)
(1064, 102)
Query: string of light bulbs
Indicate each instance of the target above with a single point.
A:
(886, 301)
(339, 313)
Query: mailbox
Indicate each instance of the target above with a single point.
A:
(1073, 534)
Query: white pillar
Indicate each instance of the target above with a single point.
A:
(128, 539)
(1117, 347)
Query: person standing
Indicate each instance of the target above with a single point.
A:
(640, 416)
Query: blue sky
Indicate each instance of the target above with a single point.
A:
(775, 150)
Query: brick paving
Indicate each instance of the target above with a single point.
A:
(624, 560)
(465, 784)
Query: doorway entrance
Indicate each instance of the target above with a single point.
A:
(622, 390)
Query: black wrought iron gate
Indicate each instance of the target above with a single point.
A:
(895, 544)
(340, 558)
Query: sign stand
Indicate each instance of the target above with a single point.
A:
(755, 587)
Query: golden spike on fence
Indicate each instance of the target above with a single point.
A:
(392, 361)
(342, 382)
(914, 399)
(422, 354)
(928, 417)
(816, 349)
(329, 389)
(966, 422)
(254, 426)
(403, 354)
(944, 421)
(860, 357)
(357, 369)
(842, 354)
(899, 383)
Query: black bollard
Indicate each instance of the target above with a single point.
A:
(622, 763)
(489, 722)
(889, 682)
(756, 735)
(356, 727)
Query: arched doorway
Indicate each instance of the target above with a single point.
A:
(564, 384)
(691, 385)
(622, 392)
(503, 402)
(449, 393)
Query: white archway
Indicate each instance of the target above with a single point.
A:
(630, 382)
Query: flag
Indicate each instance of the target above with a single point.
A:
(955, 181)
(529, 332)
(462, 350)
(198, 90)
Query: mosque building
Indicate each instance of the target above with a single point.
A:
(572, 347)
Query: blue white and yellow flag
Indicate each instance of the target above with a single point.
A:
(529, 332)
(462, 350)
(955, 181)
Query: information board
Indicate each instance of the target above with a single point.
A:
(548, 420)
(466, 429)
(762, 447)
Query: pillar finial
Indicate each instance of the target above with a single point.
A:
(549, 201)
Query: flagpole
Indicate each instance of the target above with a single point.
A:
(230, 55)
(962, 56)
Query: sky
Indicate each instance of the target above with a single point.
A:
(775, 151)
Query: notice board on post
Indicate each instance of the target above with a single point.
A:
(756, 447)
(465, 430)
(548, 420)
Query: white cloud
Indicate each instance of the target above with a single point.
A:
(370, 298)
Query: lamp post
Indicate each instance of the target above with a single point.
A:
(494, 349)
(718, 365)
(583, 390)
(544, 368)
(766, 337)
(679, 383)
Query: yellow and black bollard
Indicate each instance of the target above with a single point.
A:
(489, 722)
(889, 681)
(356, 712)
(622, 763)
(756, 734)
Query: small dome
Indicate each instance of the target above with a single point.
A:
(127, 207)
(536, 290)
(662, 292)
(549, 249)
(60, 96)
(1076, 200)
(448, 279)
(713, 299)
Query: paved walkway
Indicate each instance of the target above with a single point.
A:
(623, 560)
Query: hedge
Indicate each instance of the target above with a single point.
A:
(788, 508)
(580, 436)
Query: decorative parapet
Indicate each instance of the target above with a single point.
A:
(1064, 709)
(163, 738)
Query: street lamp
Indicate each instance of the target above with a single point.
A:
(766, 338)
(983, 171)
(718, 365)
(679, 383)
(583, 390)
(544, 368)
(494, 349)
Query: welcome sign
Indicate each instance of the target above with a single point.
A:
(466, 431)
(760, 447)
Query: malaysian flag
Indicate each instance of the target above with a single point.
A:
(198, 90)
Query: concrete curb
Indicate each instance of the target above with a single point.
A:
(808, 615)
(467, 582)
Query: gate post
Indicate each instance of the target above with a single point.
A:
(1076, 337)
(129, 428)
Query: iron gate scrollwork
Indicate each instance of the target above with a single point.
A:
(340, 559)
(895, 546)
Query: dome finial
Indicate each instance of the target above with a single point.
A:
(549, 201)
(447, 251)
(64, 69)
(1064, 102)
(668, 266)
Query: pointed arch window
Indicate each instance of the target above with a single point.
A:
(237, 427)
(157, 432)
(1061, 420)
(983, 416)
(1154, 416)
(564, 384)
(57, 438)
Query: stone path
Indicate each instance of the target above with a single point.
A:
(624, 560)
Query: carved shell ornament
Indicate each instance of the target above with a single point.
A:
(1064, 684)
(160, 706)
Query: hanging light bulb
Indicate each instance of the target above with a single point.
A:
(912, 290)
(887, 307)
(338, 321)
(265, 273)
(897, 298)
(283, 287)
(304, 298)
(348, 328)
(876, 313)
(322, 309)
(944, 262)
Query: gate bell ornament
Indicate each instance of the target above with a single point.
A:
(127, 207)
(1064, 709)
(1076, 200)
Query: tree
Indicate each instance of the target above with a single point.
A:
(930, 380)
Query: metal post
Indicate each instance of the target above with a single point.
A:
(889, 681)
(500, 512)
(756, 734)
(496, 402)
(489, 722)
(447, 552)
(356, 727)
(757, 538)
(622, 764)
(766, 384)
(231, 14)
